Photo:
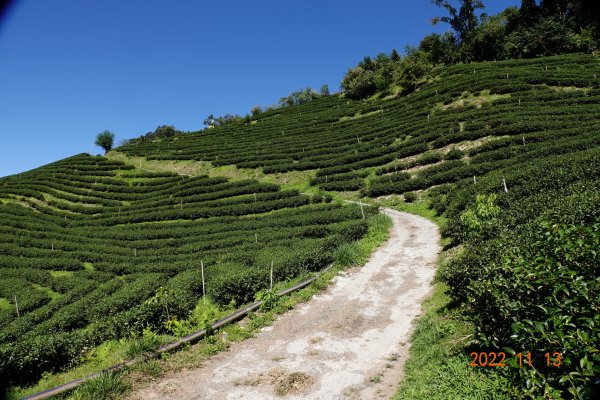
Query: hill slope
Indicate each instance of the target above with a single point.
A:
(507, 151)
(86, 242)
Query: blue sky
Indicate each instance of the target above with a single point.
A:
(70, 69)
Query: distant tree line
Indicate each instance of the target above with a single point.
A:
(161, 132)
(537, 28)
(298, 97)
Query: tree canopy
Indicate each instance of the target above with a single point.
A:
(535, 29)
(105, 140)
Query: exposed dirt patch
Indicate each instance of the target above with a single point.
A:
(350, 342)
(281, 381)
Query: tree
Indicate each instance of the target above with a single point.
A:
(325, 90)
(441, 49)
(256, 111)
(359, 83)
(209, 121)
(463, 20)
(165, 131)
(105, 140)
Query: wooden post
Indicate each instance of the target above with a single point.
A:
(203, 289)
(17, 307)
(271, 275)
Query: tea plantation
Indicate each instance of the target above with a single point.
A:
(87, 241)
(508, 152)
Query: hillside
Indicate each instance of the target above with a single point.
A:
(86, 242)
(508, 152)
(477, 110)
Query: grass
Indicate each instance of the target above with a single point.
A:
(61, 274)
(359, 115)
(420, 207)
(292, 382)
(101, 357)
(287, 180)
(108, 386)
(88, 266)
(469, 99)
(114, 352)
(5, 304)
(51, 293)
(438, 367)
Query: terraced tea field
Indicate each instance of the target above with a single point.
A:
(86, 242)
(471, 120)
(507, 152)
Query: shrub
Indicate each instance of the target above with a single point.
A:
(410, 197)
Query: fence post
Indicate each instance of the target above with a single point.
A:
(271, 275)
(17, 307)
(203, 289)
(361, 208)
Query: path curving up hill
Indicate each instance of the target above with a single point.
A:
(349, 342)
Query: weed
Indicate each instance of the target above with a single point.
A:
(107, 386)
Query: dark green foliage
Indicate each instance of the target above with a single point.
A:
(359, 83)
(105, 140)
(410, 197)
(550, 28)
(299, 97)
(529, 280)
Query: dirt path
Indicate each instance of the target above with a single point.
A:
(348, 343)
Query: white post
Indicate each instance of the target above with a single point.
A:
(361, 208)
(474, 180)
(17, 306)
(504, 183)
(271, 275)
(255, 237)
(203, 289)
(135, 252)
(52, 246)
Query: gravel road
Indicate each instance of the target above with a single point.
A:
(350, 342)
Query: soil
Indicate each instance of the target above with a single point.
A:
(349, 342)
